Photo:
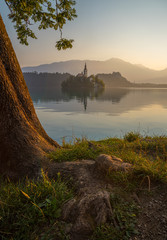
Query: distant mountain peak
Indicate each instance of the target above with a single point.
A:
(116, 59)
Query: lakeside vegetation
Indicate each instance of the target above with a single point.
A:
(147, 154)
(32, 210)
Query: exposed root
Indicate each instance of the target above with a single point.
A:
(91, 206)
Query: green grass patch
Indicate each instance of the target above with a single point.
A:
(147, 154)
(78, 150)
(31, 210)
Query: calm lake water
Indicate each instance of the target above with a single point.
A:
(102, 114)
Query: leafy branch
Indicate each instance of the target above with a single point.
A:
(46, 13)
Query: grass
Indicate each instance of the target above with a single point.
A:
(149, 158)
(74, 151)
(32, 210)
(132, 136)
(147, 154)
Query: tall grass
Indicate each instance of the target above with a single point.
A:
(31, 209)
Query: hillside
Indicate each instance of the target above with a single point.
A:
(114, 80)
(132, 72)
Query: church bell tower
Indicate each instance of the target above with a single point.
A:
(85, 71)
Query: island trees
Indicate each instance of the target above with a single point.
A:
(82, 82)
(23, 141)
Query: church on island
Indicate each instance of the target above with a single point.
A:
(84, 73)
(82, 81)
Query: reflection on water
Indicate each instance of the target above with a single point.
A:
(83, 95)
(98, 114)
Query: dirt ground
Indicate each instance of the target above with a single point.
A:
(152, 221)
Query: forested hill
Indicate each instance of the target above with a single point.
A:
(36, 80)
(114, 80)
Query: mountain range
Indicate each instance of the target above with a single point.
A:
(132, 72)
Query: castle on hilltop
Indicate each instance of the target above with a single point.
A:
(84, 73)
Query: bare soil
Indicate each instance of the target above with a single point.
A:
(152, 221)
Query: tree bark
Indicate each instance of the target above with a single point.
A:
(23, 141)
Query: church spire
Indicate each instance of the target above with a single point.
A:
(85, 71)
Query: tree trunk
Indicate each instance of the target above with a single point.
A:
(23, 141)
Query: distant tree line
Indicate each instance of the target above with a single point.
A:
(49, 82)
(37, 81)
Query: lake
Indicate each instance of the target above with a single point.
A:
(101, 114)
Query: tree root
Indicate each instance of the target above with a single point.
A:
(91, 205)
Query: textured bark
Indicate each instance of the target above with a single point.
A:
(23, 141)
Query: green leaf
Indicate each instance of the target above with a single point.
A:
(48, 201)
(44, 12)
(64, 44)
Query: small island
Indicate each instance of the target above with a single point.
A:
(83, 81)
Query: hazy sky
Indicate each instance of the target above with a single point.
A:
(133, 30)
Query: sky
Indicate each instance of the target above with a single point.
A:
(132, 30)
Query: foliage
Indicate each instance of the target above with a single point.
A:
(132, 136)
(31, 210)
(76, 82)
(123, 223)
(97, 81)
(45, 12)
(82, 82)
(64, 44)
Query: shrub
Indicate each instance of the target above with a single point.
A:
(132, 136)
